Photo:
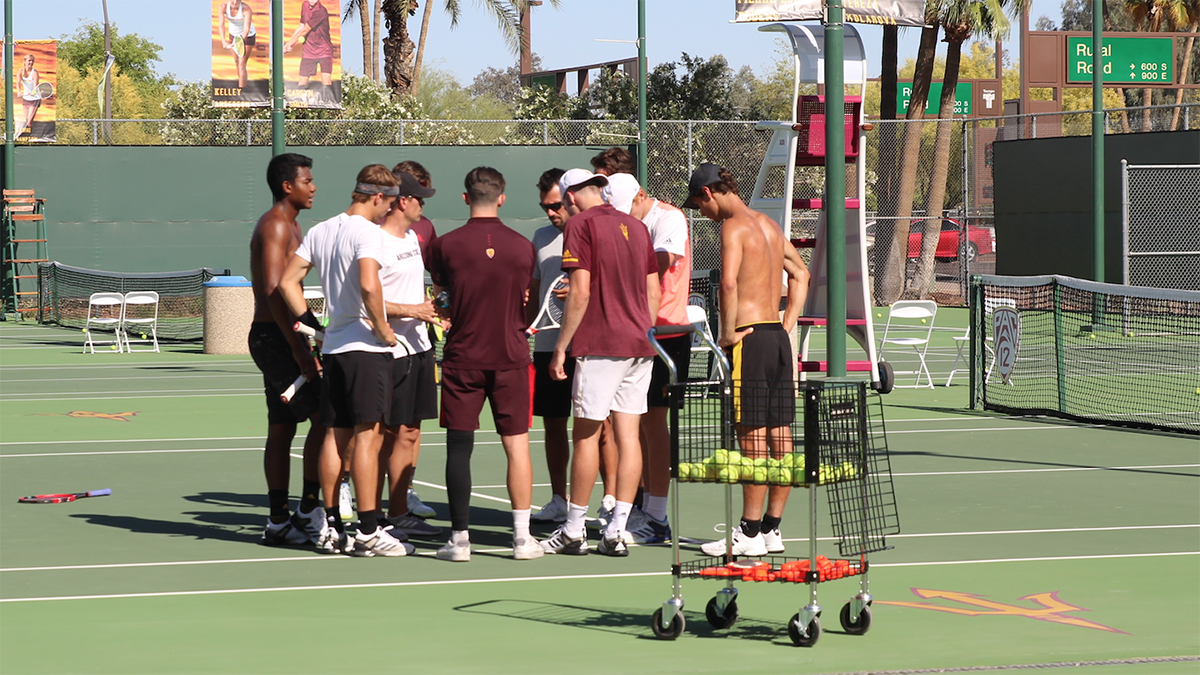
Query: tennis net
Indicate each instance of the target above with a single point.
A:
(63, 293)
(1122, 355)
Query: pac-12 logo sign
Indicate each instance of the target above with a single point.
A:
(1006, 332)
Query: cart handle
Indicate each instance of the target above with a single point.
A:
(670, 331)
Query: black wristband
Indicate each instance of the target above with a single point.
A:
(309, 319)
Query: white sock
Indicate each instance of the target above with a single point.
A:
(520, 523)
(575, 517)
(460, 537)
(655, 507)
(620, 518)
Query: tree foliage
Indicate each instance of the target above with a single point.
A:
(135, 55)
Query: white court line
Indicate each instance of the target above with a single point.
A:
(571, 577)
(133, 364)
(99, 396)
(128, 452)
(1051, 530)
(1052, 470)
(394, 584)
(166, 440)
(147, 376)
(20, 397)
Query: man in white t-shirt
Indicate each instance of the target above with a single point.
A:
(347, 252)
(672, 246)
(414, 389)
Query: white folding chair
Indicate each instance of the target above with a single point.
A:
(105, 310)
(910, 324)
(314, 297)
(962, 341)
(141, 314)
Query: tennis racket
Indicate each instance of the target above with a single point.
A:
(67, 497)
(294, 387)
(305, 329)
(550, 316)
(45, 90)
(239, 46)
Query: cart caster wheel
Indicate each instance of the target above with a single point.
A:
(801, 640)
(719, 620)
(856, 625)
(887, 378)
(674, 631)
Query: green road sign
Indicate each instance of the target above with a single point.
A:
(933, 105)
(1134, 60)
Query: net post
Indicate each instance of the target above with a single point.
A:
(975, 322)
(1059, 364)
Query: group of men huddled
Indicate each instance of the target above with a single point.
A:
(627, 260)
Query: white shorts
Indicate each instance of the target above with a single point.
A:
(605, 384)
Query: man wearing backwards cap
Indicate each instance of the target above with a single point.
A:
(347, 252)
(414, 392)
(754, 257)
(669, 234)
(613, 298)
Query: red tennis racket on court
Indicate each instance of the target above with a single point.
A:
(66, 497)
(550, 316)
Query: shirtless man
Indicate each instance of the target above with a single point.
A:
(282, 354)
(754, 257)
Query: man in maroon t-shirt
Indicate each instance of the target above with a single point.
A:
(318, 48)
(613, 300)
(485, 269)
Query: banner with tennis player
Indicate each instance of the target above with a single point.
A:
(894, 12)
(35, 89)
(312, 54)
(241, 53)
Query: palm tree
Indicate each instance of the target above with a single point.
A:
(1156, 15)
(397, 47)
(359, 7)
(891, 274)
(1193, 10)
(960, 19)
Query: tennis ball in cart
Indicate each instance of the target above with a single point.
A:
(761, 474)
(780, 476)
(729, 474)
(747, 468)
(720, 457)
(734, 458)
(848, 470)
(684, 471)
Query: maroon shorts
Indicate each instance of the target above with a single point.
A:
(308, 67)
(509, 391)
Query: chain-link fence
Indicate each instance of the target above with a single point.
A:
(1160, 213)
(908, 163)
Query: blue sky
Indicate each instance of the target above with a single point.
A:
(563, 38)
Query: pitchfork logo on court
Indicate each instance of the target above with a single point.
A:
(1006, 327)
(1049, 608)
(120, 417)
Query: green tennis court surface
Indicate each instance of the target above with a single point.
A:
(1025, 541)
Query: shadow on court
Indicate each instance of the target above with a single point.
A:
(630, 623)
(1181, 473)
(205, 526)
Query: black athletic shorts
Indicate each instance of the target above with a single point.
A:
(308, 67)
(414, 392)
(272, 353)
(551, 398)
(357, 388)
(680, 350)
(764, 393)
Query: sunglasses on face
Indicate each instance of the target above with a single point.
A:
(553, 206)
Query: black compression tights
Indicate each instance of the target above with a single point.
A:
(459, 445)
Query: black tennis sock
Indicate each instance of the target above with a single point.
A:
(334, 519)
(770, 523)
(309, 496)
(459, 445)
(278, 500)
(751, 528)
(368, 522)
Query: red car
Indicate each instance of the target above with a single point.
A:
(980, 240)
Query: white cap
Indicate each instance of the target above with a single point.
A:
(575, 178)
(622, 188)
